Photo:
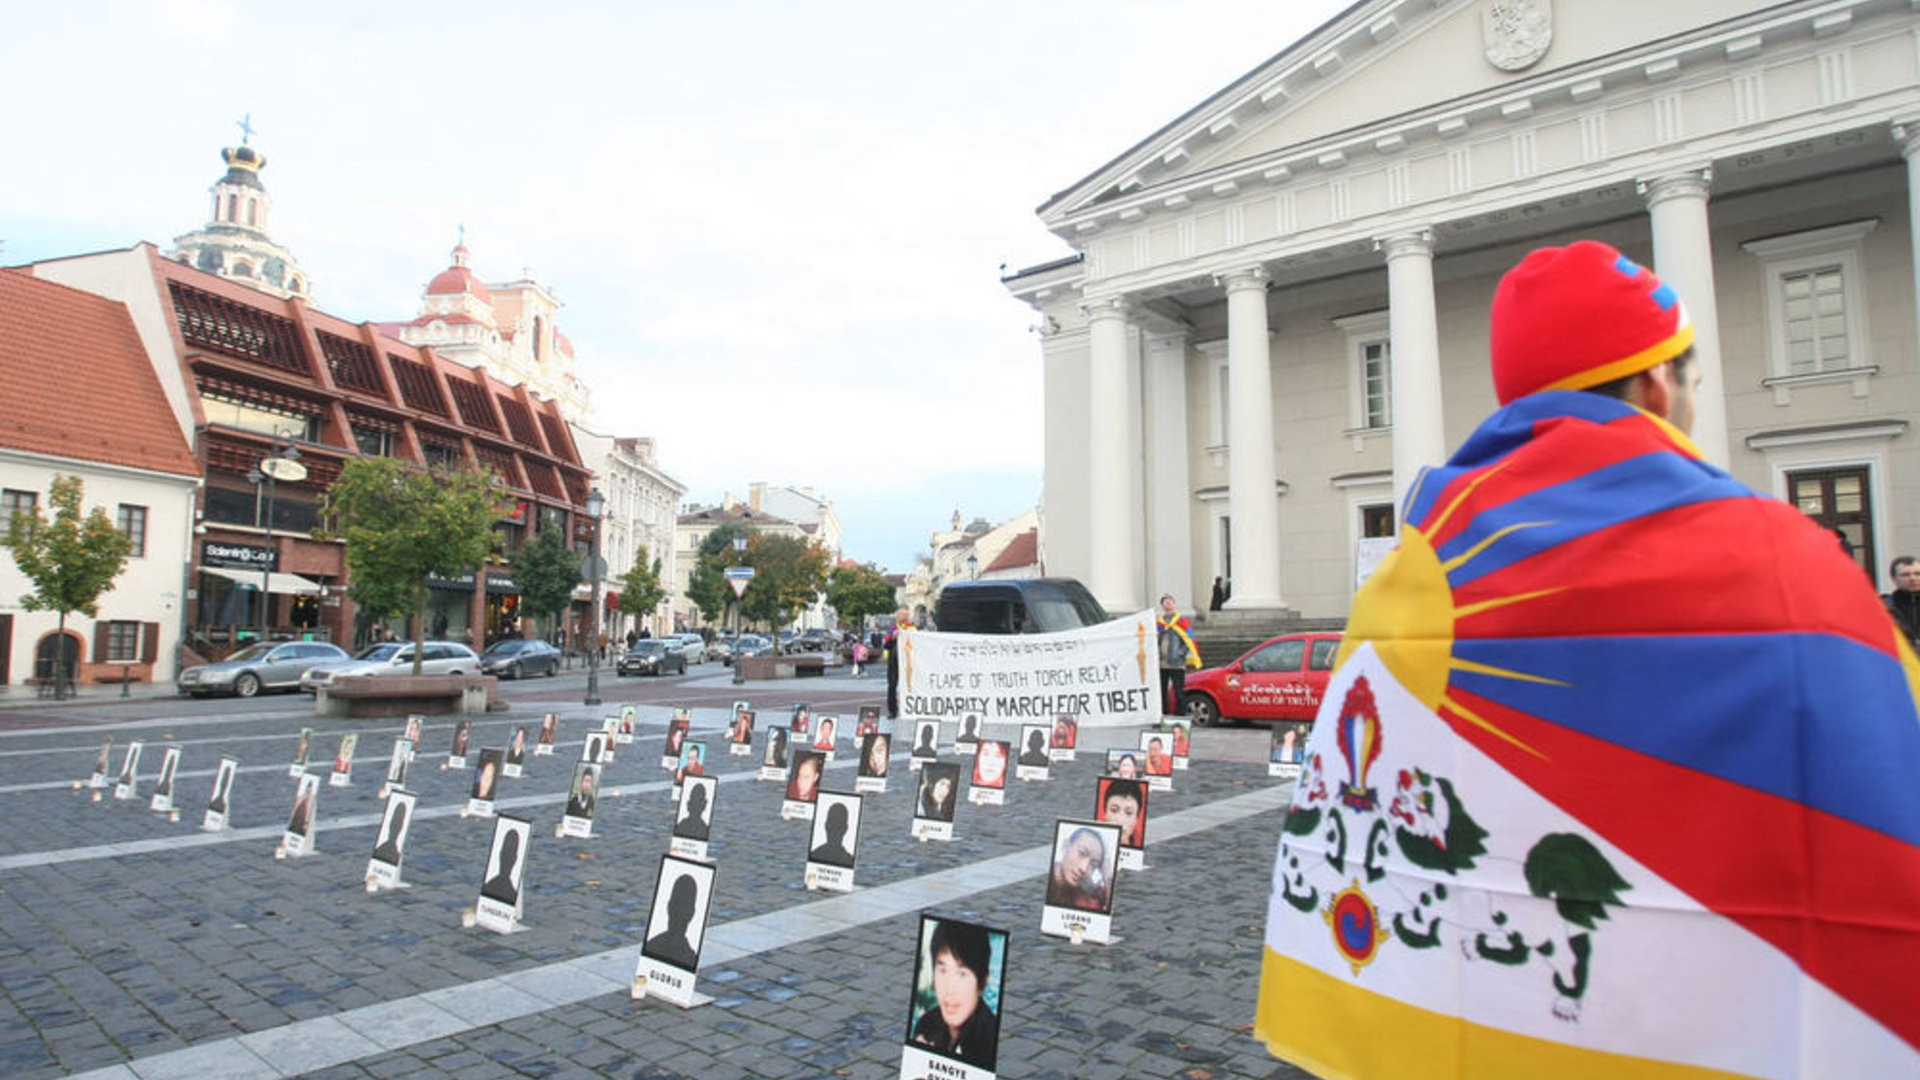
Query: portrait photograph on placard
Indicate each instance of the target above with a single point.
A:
(101, 763)
(486, 780)
(516, 753)
(1287, 747)
(1123, 804)
(869, 721)
(624, 733)
(1066, 736)
(343, 761)
(298, 836)
(989, 781)
(1033, 746)
(594, 749)
(549, 732)
(677, 923)
(740, 731)
(959, 981)
(803, 783)
(876, 756)
(397, 763)
(968, 736)
(1180, 731)
(1156, 753)
(412, 731)
(391, 843)
(801, 722)
(775, 754)
(462, 734)
(1124, 763)
(582, 794)
(693, 762)
(302, 747)
(218, 799)
(693, 817)
(825, 734)
(938, 792)
(1086, 855)
(123, 788)
(677, 729)
(506, 861)
(835, 837)
(926, 740)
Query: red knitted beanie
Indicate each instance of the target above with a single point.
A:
(1577, 316)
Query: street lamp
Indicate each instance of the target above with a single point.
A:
(973, 565)
(279, 464)
(596, 502)
(739, 552)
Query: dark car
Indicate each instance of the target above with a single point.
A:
(653, 656)
(748, 645)
(1016, 606)
(514, 658)
(1282, 678)
(815, 641)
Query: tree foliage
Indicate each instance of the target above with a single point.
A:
(708, 588)
(71, 559)
(856, 592)
(640, 588)
(403, 524)
(789, 574)
(546, 571)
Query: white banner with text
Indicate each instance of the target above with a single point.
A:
(1104, 676)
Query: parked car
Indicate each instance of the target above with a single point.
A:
(514, 658)
(815, 641)
(264, 666)
(1016, 606)
(750, 645)
(653, 656)
(438, 658)
(721, 649)
(378, 651)
(694, 646)
(1282, 678)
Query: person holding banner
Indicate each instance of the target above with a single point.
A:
(894, 642)
(1177, 654)
(1651, 730)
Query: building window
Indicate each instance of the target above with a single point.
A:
(373, 442)
(1815, 291)
(1370, 374)
(123, 642)
(1376, 522)
(1840, 501)
(132, 522)
(12, 502)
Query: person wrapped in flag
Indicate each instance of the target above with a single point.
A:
(1616, 772)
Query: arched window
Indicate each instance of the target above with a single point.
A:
(253, 212)
(539, 337)
(233, 208)
(241, 269)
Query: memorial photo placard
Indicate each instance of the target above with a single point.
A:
(623, 734)
(990, 759)
(301, 748)
(1079, 903)
(1036, 759)
(1124, 764)
(549, 734)
(102, 764)
(457, 753)
(217, 800)
(582, 794)
(342, 774)
(934, 800)
(876, 760)
(1123, 803)
(1180, 731)
(693, 762)
(740, 730)
(515, 764)
(1156, 759)
(676, 928)
(826, 734)
(926, 743)
(953, 1015)
(968, 736)
(397, 764)
(834, 842)
(677, 729)
(486, 782)
(162, 800)
(383, 867)
(800, 721)
(610, 731)
(693, 817)
(297, 839)
(773, 758)
(1066, 737)
(594, 749)
(1287, 747)
(868, 722)
(415, 724)
(500, 906)
(803, 784)
(128, 781)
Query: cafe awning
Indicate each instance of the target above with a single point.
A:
(292, 584)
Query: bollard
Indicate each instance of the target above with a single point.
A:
(126, 680)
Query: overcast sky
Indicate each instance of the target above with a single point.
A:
(777, 228)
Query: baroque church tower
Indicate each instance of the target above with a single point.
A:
(234, 243)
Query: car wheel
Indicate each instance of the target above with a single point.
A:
(247, 685)
(513, 670)
(1202, 711)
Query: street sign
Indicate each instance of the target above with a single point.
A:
(593, 568)
(738, 577)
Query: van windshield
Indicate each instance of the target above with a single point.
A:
(1065, 611)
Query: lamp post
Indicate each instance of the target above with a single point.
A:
(280, 463)
(596, 502)
(973, 565)
(739, 552)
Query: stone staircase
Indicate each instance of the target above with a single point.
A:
(1224, 636)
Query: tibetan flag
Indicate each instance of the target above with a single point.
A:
(1618, 776)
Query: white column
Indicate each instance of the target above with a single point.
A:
(1413, 327)
(1683, 257)
(1252, 494)
(1169, 494)
(1114, 558)
(1908, 135)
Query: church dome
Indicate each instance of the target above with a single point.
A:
(458, 280)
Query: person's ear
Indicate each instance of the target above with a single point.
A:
(1653, 390)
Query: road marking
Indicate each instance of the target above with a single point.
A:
(326, 1041)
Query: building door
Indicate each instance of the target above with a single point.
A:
(56, 648)
(1839, 500)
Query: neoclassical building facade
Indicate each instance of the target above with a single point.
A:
(1275, 310)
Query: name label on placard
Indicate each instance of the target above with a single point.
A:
(215, 821)
(829, 878)
(511, 770)
(456, 761)
(296, 844)
(1132, 858)
(160, 804)
(1060, 753)
(576, 826)
(919, 1063)
(986, 796)
(1032, 772)
(924, 829)
(796, 810)
(1062, 922)
(339, 779)
(1283, 768)
(543, 750)
(740, 749)
(771, 772)
(384, 875)
(491, 914)
(688, 849)
(480, 807)
(866, 784)
(672, 983)
(1159, 783)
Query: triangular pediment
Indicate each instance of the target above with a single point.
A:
(1379, 62)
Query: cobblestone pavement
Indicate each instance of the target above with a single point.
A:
(132, 945)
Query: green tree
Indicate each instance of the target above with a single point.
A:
(640, 588)
(789, 574)
(856, 592)
(70, 560)
(708, 588)
(546, 571)
(403, 524)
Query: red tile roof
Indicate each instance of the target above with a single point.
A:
(78, 381)
(1022, 550)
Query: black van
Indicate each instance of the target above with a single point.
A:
(1016, 606)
